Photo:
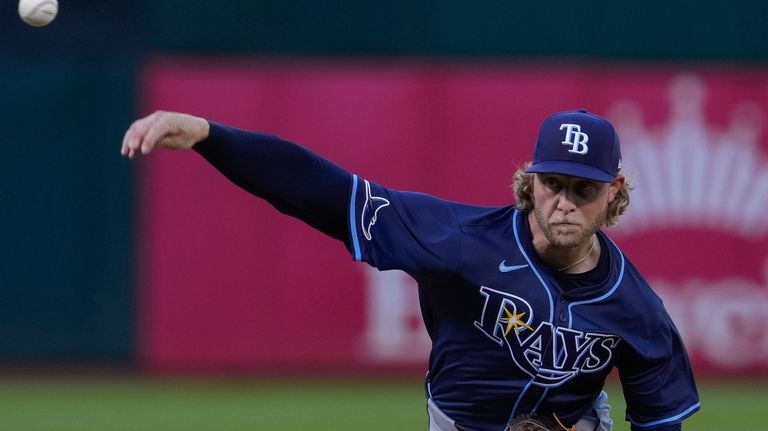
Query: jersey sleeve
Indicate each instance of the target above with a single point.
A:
(293, 179)
(414, 232)
(388, 229)
(657, 380)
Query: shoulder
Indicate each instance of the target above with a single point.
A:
(478, 216)
(462, 214)
(637, 288)
(642, 310)
(636, 297)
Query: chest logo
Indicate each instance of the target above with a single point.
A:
(550, 354)
(504, 268)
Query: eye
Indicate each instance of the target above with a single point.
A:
(551, 183)
(586, 189)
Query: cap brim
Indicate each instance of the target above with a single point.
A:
(571, 168)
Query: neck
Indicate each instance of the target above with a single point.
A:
(571, 260)
(586, 256)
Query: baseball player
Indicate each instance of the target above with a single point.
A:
(528, 306)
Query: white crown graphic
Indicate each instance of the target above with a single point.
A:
(687, 173)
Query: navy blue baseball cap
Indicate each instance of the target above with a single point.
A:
(577, 143)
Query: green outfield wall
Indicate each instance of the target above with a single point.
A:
(66, 284)
(496, 28)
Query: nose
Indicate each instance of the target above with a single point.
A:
(565, 201)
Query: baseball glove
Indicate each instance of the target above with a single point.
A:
(535, 423)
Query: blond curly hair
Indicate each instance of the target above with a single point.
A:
(523, 187)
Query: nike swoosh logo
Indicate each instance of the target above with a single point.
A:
(505, 268)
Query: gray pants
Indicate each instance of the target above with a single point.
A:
(439, 421)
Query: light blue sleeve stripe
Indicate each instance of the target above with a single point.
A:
(352, 216)
(673, 419)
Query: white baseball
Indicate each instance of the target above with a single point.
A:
(38, 13)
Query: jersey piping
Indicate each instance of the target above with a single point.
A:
(672, 419)
(515, 222)
(570, 306)
(604, 296)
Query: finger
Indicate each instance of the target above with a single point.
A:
(131, 138)
(156, 133)
(147, 132)
(124, 147)
(135, 135)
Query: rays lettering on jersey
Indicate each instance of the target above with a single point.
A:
(550, 354)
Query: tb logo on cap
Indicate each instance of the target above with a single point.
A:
(575, 138)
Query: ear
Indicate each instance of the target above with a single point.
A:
(615, 186)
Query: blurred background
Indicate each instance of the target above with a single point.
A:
(153, 294)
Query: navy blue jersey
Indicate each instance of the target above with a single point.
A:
(507, 338)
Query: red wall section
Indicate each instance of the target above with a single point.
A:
(229, 284)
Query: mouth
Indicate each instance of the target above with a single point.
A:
(563, 223)
(565, 226)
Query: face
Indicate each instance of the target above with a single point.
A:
(568, 209)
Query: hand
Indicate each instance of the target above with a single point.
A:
(165, 130)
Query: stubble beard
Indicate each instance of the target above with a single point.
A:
(568, 240)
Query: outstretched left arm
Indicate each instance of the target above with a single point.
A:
(293, 179)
